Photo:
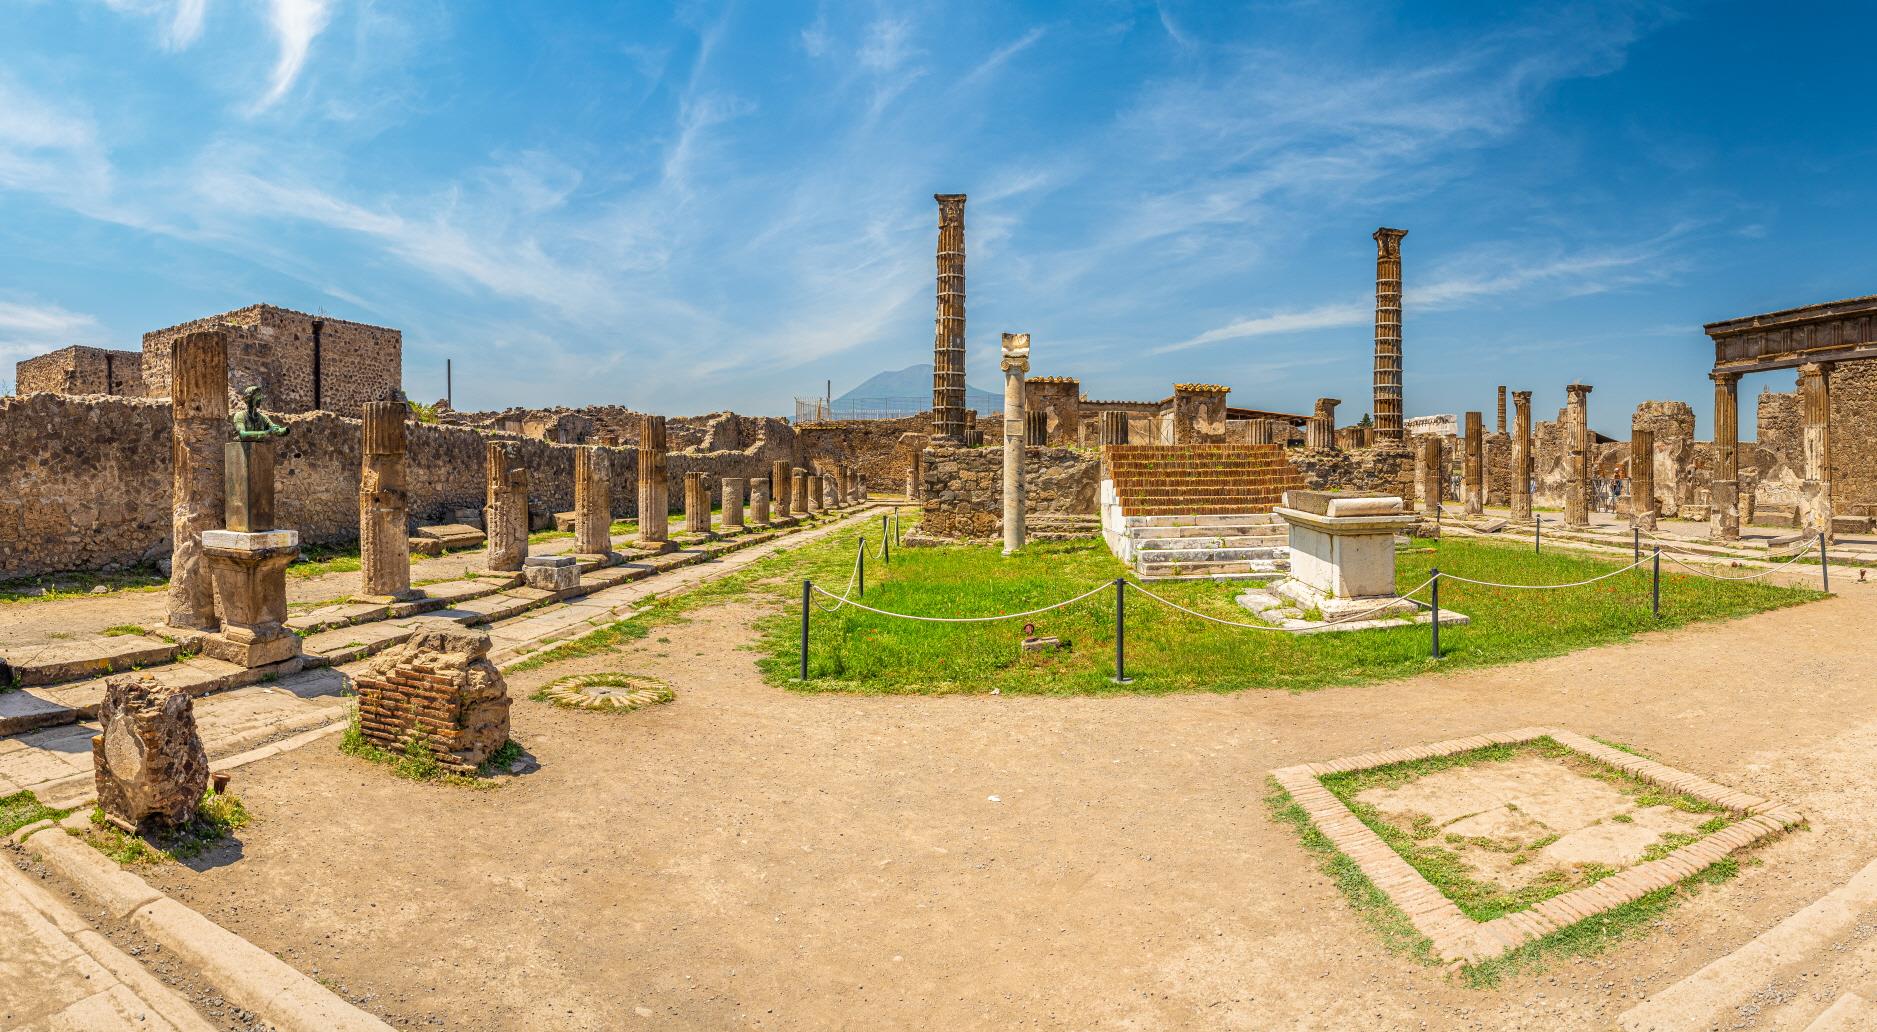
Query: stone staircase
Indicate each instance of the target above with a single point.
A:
(1815, 971)
(1233, 546)
(1197, 511)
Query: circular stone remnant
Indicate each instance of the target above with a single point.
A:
(618, 692)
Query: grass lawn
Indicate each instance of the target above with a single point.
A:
(852, 650)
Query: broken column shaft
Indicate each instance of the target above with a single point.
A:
(384, 543)
(198, 429)
(654, 488)
(593, 501)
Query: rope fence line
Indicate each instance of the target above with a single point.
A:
(1120, 584)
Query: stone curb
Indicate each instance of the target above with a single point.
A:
(246, 975)
(1460, 939)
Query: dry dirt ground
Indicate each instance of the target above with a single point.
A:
(748, 857)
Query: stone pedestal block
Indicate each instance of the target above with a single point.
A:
(551, 572)
(250, 571)
(248, 485)
(1342, 552)
(149, 762)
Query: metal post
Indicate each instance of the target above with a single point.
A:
(860, 573)
(1824, 563)
(1120, 632)
(449, 398)
(1655, 584)
(1538, 532)
(806, 587)
(1434, 623)
(1635, 534)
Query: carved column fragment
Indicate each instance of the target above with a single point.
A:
(384, 503)
(1114, 427)
(1815, 408)
(1432, 477)
(1725, 488)
(1577, 444)
(948, 345)
(696, 503)
(1388, 334)
(1016, 362)
(198, 428)
(1475, 464)
(759, 501)
(732, 488)
(505, 519)
(593, 501)
(1642, 477)
(654, 487)
(1522, 456)
(779, 486)
(799, 495)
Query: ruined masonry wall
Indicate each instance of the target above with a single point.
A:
(272, 346)
(964, 488)
(89, 478)
(82, 370)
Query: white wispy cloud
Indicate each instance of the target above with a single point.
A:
(295, 24)
(29, 328)
(1001, 56)
(181, 19)
(1486, 277)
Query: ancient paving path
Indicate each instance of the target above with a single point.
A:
(57, 973)
(55, 763)
(751, 857)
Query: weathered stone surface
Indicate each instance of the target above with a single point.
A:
(654, 486)
(440, 690)
(963, 488)
(593, 501)
(1388, 411)
(551, 572)
(149, 761)
(384, 503)
(199, 424)
(696, 503)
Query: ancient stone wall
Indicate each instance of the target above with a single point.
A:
(964, 487)
(1389, 470)
(306, 362)
(873, 446)
(89, 478)
(1676, 473)
(82, 370)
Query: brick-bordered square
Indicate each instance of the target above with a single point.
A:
(1460, 938)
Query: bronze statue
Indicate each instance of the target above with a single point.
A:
(251, 424)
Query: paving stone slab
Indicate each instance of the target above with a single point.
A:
(58, 661)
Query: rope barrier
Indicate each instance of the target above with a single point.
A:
(1542, 587)
(852, 578)
(1755, 576)
(1104, 586)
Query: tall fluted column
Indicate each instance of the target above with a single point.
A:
(696, 503)
(1815, 407)
(1642, 477)
(759, 501)
(384, 543)
(732, 488)
(1016, 362)
(1475, 471)
(505, 520)
(654, 487)
(779, 486)
(1725, 487)
(593, 501)
(948, 344)
(198, 429)
(1577, 444)
(1388, 334)
(1522, 455)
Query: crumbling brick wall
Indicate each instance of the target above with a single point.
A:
(82, 370)
(306, 362)
(870, 445)
(1385, 470)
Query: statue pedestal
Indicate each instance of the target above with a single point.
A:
(250, 572)
(1342, 553)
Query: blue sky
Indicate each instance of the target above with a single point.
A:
(707, 206)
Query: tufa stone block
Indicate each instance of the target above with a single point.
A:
(149, 762)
